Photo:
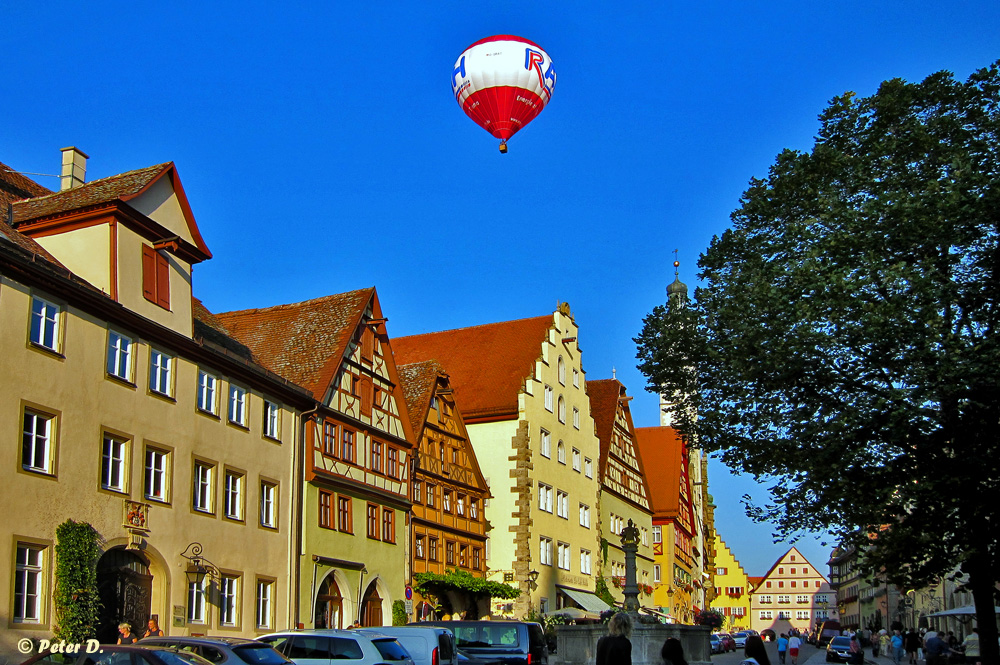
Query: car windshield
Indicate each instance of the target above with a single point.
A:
(179, 657)
(258, 654)
(391, 649)
(840, 642)
(486, 636)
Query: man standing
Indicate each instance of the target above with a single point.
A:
(936, 649)
(782, 648)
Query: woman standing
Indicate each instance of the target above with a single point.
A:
(615, 647)
(125, 635)
(753, 651)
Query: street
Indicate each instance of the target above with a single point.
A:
(807, 653)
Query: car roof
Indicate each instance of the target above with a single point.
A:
(187, 639)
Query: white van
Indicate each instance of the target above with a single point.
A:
(429, 645)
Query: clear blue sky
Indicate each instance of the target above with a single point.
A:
(322, 151)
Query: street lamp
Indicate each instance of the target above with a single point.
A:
(199, 567)
(533, 579)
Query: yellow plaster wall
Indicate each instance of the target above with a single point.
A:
(160, 204)
(178, 317)
(734, 577)
(86, 252)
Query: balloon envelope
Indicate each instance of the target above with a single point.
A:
(503, 82)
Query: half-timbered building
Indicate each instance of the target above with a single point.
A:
(356, 495)
(448, 524)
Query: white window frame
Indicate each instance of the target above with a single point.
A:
(645, 536)
(584, 515)
(203, 481)
(562, 504)
(585, 562)
(577, 457)
(29, 569)
(233, 495)
(657, 534)
(238, 405)
(563, 555)
(802, 614)
(656, 572)
(114, 463)
(544, 497)
(546, 444)
(588, 467)
(545, 551)
(561, 452)
(196, 600)
(576, 417)
(229, 601)
(160, 372)
(561, 370)
(562, 410)
(272, 420)
(765, 599)
(208, 388)
(268, 504)
(156, 467)
(548, 398)
(576, 378)
(44, 331)
(263, 617)
(37, 440)
(766, 614)
(120, 352)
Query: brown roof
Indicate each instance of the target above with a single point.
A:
(604, 398)
(754, 582)
(14, 187)
(303, 342)
(208, 327)
(487, 364)
(661, 448)
(419, 380)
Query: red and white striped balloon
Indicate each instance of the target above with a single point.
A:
(502, 83)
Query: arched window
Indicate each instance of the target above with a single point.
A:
(561, 452)
(562, 371)
(562, 409)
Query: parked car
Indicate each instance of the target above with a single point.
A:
(222, 650)
(838, 650)
(508, 642)
(113, 654)
(427, 645)
(327, 646)
(728, 643)
(740, 638)
(715, 644)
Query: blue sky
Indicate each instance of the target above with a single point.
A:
(322, 151)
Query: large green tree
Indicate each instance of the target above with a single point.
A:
(845, 346)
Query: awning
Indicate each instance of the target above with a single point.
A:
(585, 599)
(575, 613)
(966, 610)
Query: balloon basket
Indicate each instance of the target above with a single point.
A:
(503, 147)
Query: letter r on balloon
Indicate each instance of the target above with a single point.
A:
(533, 60)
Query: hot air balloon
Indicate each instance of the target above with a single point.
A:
(502, 83)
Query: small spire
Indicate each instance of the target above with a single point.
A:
(614, 374)
(677, 288)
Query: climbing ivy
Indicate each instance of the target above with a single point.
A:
(460, 580)
(399, 616)
(77, 604)
(602, 591)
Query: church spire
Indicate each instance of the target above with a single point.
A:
(677, 289)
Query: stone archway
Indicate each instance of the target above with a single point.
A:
(376, 604)
(329, 608)
(125, 586)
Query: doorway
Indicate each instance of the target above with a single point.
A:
(329, 605)
(371, 607)
(125, 587)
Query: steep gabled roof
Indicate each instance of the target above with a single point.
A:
(15, 187)
(208, 326)
(419, 381)
(488, 364)
(662, 448)
(754, 582)
(304, 342)
(606, 396)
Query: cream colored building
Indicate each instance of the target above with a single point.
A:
(793, 594)
(523, 394)
(129, 408)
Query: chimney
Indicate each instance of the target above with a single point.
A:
(74, 168)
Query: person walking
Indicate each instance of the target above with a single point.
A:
(912, 645)
(971, 646)
(615, 647)
(936, 648)
(857, 655)
(754, 652)
(897, 647)
(672, 652)
(782, 648)
(884, 643)
(793, 648)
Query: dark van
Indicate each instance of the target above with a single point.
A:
(507, 642)
(827, 631)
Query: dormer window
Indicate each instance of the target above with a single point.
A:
(155, 277)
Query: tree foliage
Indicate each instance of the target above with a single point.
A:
(77, 603)
(437, 584)
(844, 347)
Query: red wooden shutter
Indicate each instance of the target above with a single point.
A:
(149, 273)
(162, 281)
(366, 396)
(367, 344)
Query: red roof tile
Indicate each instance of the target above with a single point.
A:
(419, 381)
(488, 364)
(604, 394)
(303, 342)
(661, 448)
(15, 187)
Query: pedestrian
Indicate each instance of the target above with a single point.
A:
(793, 648)
(615, 647)
(971, 646)
(125, 635)
(937, 649)
(782, 648)
(897, 647)
(153, 629)
(857, 655)
(884, 643)
(912, 645)
(754, 652)
(673, 652)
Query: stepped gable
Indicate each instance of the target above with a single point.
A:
(304, 342)
(487, 364)
(419, 381)
(662, 448)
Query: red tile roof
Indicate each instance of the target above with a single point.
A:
(755, 582)
(304, 342)
(419, 381)
(604, 399)
(14, 187)
(488, 364)
(210, 328)
(661, 448)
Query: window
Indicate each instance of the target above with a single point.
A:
(561, 365)
(656, 572)
(805, 571)
(36, 442)
(781, 571)
(203, 491)
(561, 452)
(372, 521)
(784, 599)
(237, 405)
(377, 447)
(449, 552)
(784, 614)
(155, 277)
(588, 467)
(206, 392)
(576, 378)
(446, 500)
(460, 505)
(765, 599)
(474, 510)
(392, 463)
(263, 605)
(658, 537)
(562, 504)
(548, 398)
(793, 571)
(388, 525)
(432, 549)
(346, 445)
(45, 324)
(766, 614)
(584, 515)
(329, 439)
(546, 448)
(417, 485)
(544, 498)
(418, 547)
(477, 558)
(645, 536)
(156, 474)
(28, 581)
(268, 509)
(272, 420)
(113, 463)
(801, 614)
(718, 571)
(228, 600)
(801, 599)
(576, 417)
(562, 552)
(768, 584)
(234, 495)
(119, 355)
(196, 602)
(585, 562)
(160, 365)
(431, 491)
(562, 410)
(545, 551)
(576, 460)
(345, 522)
(325, 509)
